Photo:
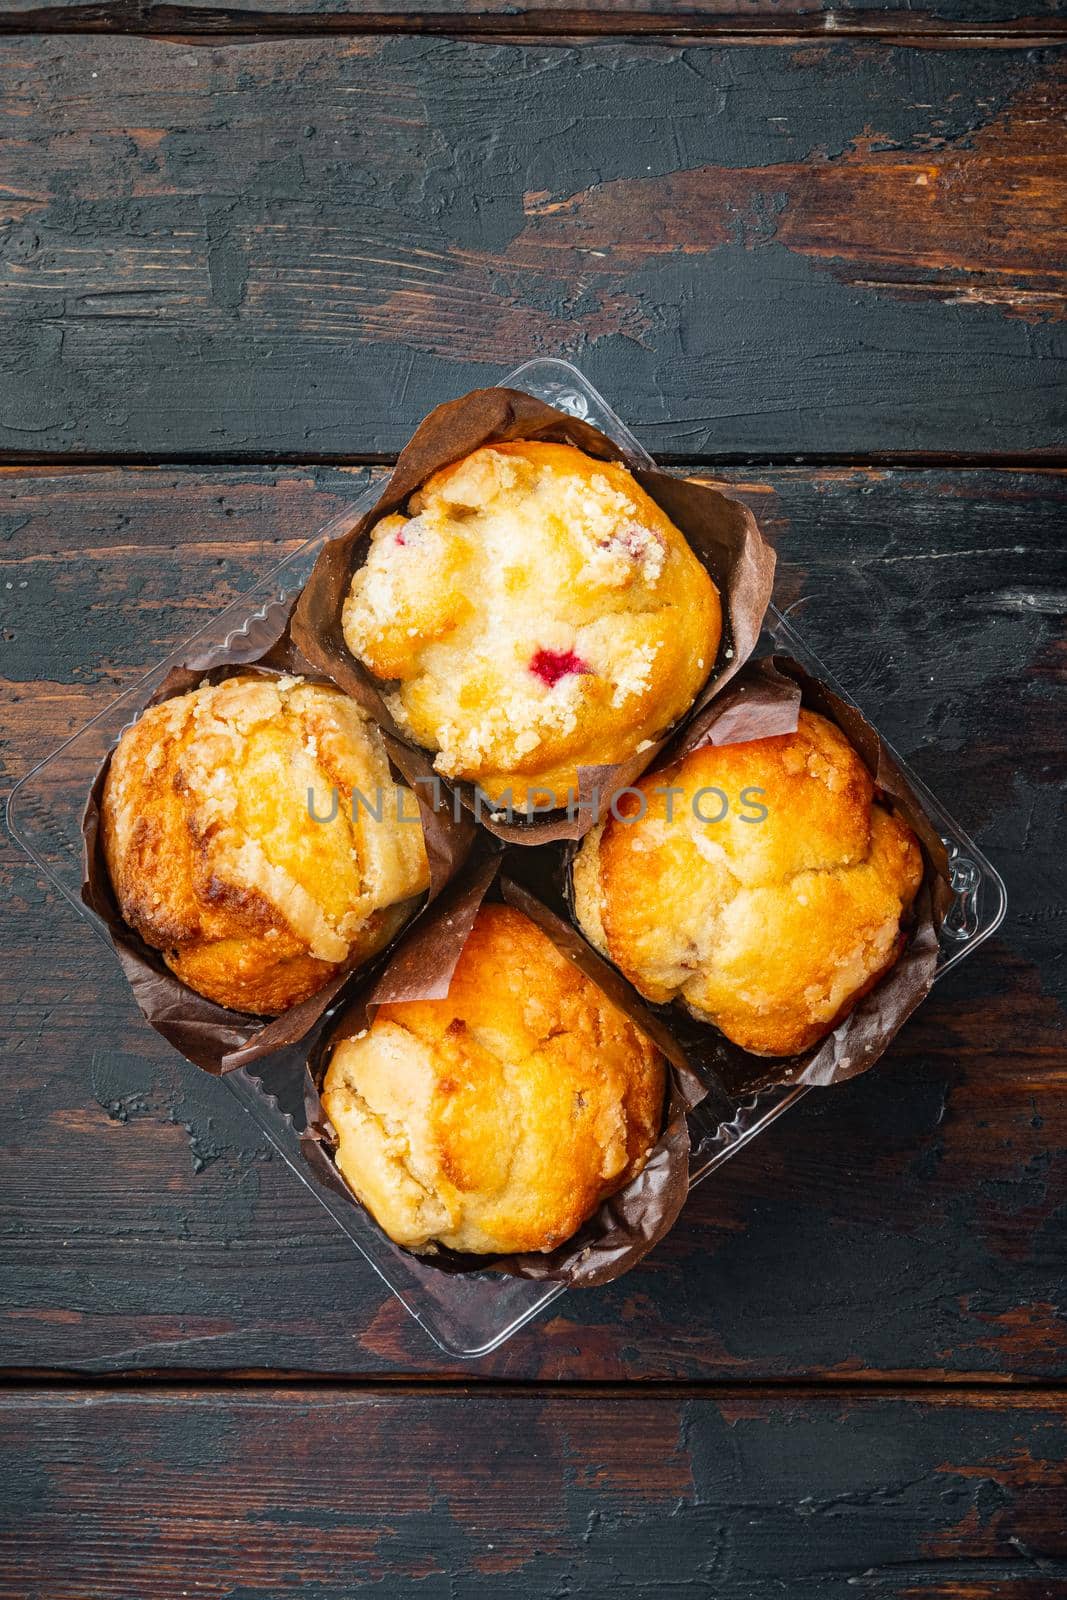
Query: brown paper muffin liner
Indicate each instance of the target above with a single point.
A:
(722, 534)
(626, 1225)
(210, 1035)
(764, 700)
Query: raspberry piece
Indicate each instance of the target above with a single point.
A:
(552, 665)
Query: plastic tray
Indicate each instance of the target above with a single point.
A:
(471, 1315)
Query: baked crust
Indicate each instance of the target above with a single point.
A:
(770, 929)
(498, 1119)
(537, 612)
(216, 861)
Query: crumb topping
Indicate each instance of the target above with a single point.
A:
(211, 838)
(531, 603)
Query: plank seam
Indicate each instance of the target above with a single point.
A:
(214, 27)
(1047, 461)
(998, 1387)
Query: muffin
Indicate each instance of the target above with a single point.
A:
(498, 1119)
(535, 612)
(217, 861)
(772, 922)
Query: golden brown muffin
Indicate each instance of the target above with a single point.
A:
(770, 929)
(215, 857)
(496, 1120)
(538, 612)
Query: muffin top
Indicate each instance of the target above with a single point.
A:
(536, 612)
(498, 1119)
(769, 926)
(215, 856)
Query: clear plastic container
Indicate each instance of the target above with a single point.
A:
(470, 1315)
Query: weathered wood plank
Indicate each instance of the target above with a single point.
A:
(909, 1222)
(875, 17)
(241, 1496)
(298, 246)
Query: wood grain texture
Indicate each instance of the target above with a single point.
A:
(908, 1223)
(969, 18)
(421, 1496)
(296, 247)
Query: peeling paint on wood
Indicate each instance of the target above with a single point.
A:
(300, 246)
(427, 1496)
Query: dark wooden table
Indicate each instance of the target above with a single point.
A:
(816, 254)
